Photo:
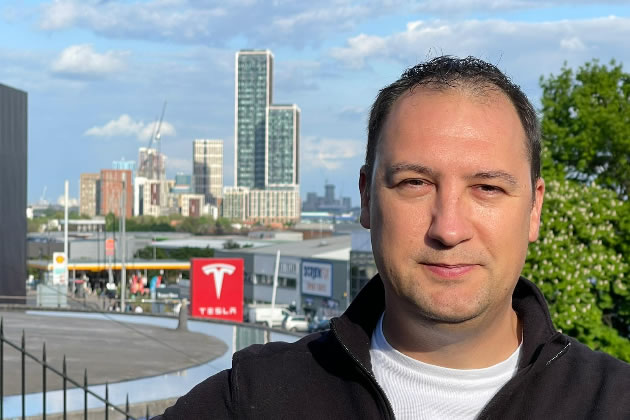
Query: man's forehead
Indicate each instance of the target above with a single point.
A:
(405, 110)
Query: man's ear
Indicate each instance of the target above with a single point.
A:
(364, 189)
(534, 217)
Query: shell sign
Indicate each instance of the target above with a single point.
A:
(60, 268)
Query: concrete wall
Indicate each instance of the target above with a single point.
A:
(13, 148)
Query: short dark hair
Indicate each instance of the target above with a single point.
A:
(447, 72)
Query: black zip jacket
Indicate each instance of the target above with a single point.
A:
(328, 375)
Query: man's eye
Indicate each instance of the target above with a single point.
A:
(489, 188)
(414, 182)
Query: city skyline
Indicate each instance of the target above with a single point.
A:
(96, 86)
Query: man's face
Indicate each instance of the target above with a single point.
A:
(450, 204)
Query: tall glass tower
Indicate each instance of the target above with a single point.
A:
(253, 95)
(283, 131)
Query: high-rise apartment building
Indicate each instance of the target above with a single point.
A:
(89, 194)
(125, 164)
(266, 158)
(283, 139)
(13, 165)
(112, 192)
(254, 71)
(151, 164)
(208, 169)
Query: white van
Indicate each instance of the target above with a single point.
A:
(263, 315)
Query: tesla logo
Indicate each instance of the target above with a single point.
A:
(218, 270)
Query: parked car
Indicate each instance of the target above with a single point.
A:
(295, 323)
(319, 325)
(263, 315)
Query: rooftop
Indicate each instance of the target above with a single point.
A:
(332, 248)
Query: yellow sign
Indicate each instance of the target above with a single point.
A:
(60, 268)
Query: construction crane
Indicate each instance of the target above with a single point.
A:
(155, 138)
(42, 199)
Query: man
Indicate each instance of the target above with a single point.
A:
(452, 193)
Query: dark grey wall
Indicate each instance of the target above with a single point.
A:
(13, 148)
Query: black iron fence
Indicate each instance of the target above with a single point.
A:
(63, 375)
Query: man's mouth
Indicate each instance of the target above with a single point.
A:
(449, 271)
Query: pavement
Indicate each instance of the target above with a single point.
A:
(111, 351)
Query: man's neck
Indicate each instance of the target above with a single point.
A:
(473, 344)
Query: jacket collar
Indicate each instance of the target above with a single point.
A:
(354, 328)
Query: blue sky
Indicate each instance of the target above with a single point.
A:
(98, 71)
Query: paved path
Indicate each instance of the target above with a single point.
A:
(111, 351)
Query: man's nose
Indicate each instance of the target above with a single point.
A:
(450, 218)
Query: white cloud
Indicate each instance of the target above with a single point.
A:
(125, 126)
(573, 44)
(211, 22)
(360, 47)
(329, 153)
(527, 46)
(82, 60)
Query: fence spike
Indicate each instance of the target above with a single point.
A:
(127, 407)
(147, 414)
(106, 400)
(85, 394)
(65, 389)
(1, 327)
(44, 367)
(23, 374)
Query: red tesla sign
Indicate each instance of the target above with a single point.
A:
(217, 288)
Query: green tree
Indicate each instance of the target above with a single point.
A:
(586, 123)
(576, 265)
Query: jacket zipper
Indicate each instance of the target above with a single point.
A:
(366, 372)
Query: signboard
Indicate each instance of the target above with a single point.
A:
(109, 247)
(60, 268)
(217, 288)
(167, 293)
(317, 278)
(266, 264)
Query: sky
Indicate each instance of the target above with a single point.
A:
(97, 72)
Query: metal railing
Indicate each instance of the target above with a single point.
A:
(64, 376)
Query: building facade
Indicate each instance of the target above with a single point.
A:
(89, 194)
(112, 192)
(151, 164)
(311, 275)
(192, 205)
(283, 135)
(274, 206)
(151, 197)
(235, 204)
(208, 169)
(362, 265)
(13, 166)
(254, 80)
(125, 164)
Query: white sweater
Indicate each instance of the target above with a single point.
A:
(419, 390)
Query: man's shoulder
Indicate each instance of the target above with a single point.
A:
(597, 363)
(277, 358)
(257, 371)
